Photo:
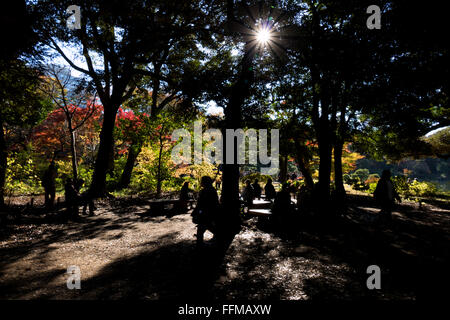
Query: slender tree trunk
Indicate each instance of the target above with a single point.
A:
(3, 163)
(73, 152)
(283, 169)
(133, 153)
(309, 182)
(159, 182)
(105, 153)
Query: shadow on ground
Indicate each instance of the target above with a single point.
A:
(322, 259)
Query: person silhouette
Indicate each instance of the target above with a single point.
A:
(49, 184)
(282, 204)
(269, 190)
(204, 214)
(86, 198)
(256, 189)
(71, 198)
(303, 199)
(182, 205)
(385, 194)
(248, 194)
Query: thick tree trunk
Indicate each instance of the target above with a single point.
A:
(133, 153)
(3, 163)
(230, 178)
(325, 148)
(105, 153)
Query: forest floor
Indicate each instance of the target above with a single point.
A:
(123, 252)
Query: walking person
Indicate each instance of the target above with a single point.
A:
(385, 194)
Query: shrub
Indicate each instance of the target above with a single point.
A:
(346, 178)
(372, 187)
(262, 178)
(423, 189)
(362, 174)
(414, 188)
(373, 178)
(401, 185)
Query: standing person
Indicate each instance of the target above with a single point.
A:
(85, 198)
(269, 190)
(205, 212)
(248, 194)
(49, 184)
(257, 189)
(282, 205)
(182, 205)
(71, 198)
(88, 200)
(304, 199)
(385, 194)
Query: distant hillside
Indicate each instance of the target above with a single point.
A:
(428, 169)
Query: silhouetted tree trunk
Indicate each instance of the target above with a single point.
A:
(239, 92)
(73, 150)
(338, 177)
(135, 148)
(230, 178)
(325, 148)
(283, 169)
(338, 145)
(320, 119)
(309, 182)
(324, 131)
(159, 178)
(105, 153)
(3, 163)
(133, 153)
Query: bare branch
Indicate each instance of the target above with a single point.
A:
(73, 65)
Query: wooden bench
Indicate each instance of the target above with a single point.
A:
(259, 212)
(157, 205)
(261, 204)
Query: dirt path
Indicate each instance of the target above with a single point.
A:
(124, 254)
